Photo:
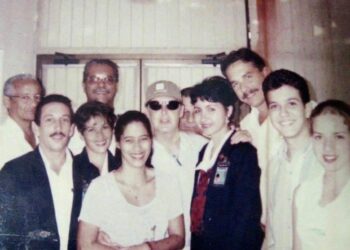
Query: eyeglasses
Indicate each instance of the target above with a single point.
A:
(94, 80)
(27, 98)
(171, 105)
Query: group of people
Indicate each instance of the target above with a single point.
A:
(182, 175)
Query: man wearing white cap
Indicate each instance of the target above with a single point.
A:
(175, 152)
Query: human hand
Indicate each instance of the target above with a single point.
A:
(241, 136)
(142, 246)
(104, 239)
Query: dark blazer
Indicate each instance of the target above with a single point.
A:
(88, 170)
(27, 212)
(233, 209)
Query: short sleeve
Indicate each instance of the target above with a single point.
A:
(92, 207)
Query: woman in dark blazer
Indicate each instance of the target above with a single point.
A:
(95, 122)
(226, 205)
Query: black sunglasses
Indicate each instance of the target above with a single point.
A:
(171, 105)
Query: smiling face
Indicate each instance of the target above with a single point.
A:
(331, 141)
(55, 127)
(246, 80)
(187, 122)
(24, 99)
(100, 84)
(135, 145)
(287, 112)
(212, 118)
(97, 135)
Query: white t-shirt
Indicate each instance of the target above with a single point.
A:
(105, 207)
(183, 167)
(322, 228)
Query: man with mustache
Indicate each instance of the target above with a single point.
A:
(40, 192)
(21, 94)
(246, 71)
(100, 83)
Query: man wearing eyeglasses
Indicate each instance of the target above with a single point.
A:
(175, 151)
(100, 83)
(21, 94)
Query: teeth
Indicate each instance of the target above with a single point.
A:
(329, 158)
(137, 156)
(101, 143)
(286, 123)
(101, 91)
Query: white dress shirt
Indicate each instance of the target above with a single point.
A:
(12, 141)
(61, 185)
(266, 140)
(285, 176)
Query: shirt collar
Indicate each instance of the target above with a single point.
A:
(208, 159)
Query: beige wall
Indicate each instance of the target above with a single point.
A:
(18, 36)
(17, 39)
(311, 38)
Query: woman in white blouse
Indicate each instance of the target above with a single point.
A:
(322, 204)
(133, 207)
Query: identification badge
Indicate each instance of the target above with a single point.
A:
(221, 170)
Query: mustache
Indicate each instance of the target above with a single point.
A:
(245, 94)
(57, 133)
(102, 89)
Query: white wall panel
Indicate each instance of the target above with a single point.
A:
(77, 23)
(113, 23)
(149, 26)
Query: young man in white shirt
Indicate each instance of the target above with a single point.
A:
(175, 152)
(289, 105)
(246, 71)
(40, 193)
(21, 95)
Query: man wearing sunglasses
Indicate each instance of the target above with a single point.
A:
(175, 151)
(21, 95)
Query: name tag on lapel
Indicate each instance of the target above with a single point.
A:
(221, 170)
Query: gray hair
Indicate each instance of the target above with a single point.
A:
(9, 84)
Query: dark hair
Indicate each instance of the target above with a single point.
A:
(93, 109)
(186, 92)
(54, 98)
(107, 62)
(124, 120)
(215, 89)
(331, 106)
(281, 77)
(245, 55)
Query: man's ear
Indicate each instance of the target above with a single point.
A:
(6, 101)
(80, 134)
(181, 110)
(266, 70)
(309, 107)
(36, 129)
(71, 131)
(230, 110)
(84, 87)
